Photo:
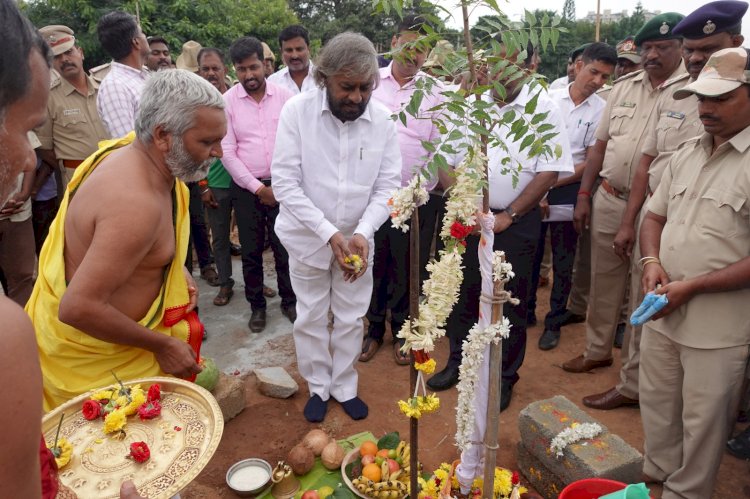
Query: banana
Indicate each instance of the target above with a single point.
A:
(394, 476)
(361, 487)
(400, 447)
(385, 471)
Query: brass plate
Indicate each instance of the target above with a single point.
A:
(97, 470)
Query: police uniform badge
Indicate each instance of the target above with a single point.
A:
(709, 28)
(664, 28)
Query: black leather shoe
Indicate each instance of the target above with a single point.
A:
(571, 318)
(257, 321)
(443, 380)
(235, 249)
(739, 446)
(531, 319)
(506, 393)
(619, 335)
(549, 339)
(290, 312)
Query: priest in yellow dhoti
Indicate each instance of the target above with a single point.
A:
(113, 295)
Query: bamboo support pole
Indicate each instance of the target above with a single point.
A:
(414, 286)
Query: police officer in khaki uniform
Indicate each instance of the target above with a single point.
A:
(73, 128)
(712, 27)
(695, 240)
(615, 157)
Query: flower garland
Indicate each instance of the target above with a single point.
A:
(503, 486)
(473, 352)
(406, 200)
(575, 433)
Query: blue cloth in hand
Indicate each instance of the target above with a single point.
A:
(651, 304)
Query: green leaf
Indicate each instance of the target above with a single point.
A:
(389, 441)
(354, 469)
(527, 141)
(342, 493)
(455, 135)
(429, 146)
(478, 129)
(531, 105)
(555, 36)
(530, 18)
(402, 117)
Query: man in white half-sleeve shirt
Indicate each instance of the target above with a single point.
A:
(336, 163)
(582, 109)
(297, 75)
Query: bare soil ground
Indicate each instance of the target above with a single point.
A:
(269, 428)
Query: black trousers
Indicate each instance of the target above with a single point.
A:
(198, 231)
(254, 220)
(42, 215)
(564, 240)
(390, 271)
(519, 242)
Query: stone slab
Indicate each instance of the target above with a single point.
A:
(230, 394)
(604, 456)
(546, 483)
(276, 382)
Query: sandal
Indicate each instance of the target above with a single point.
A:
(268, 292)
(400, 357)
(208, 273)
(222, 298)
(369, 348)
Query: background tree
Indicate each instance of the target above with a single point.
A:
(216, 23)
(569, 10)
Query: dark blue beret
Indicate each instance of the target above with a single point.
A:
(712, 18)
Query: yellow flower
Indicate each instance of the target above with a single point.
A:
(115, 421)
(105, 394)
(63, 453)
(409, 409)
(426, 367)
(137, 398)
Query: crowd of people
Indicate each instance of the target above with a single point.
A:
(647, 194)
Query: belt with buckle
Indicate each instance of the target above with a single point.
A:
(72, 163)
(614, 192)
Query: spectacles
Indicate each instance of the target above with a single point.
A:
(586, 133)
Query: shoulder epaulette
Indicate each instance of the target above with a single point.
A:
(95, 72)
(54, 79)
(674, 79)
(627, 76)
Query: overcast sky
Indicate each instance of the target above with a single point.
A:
(515, 9)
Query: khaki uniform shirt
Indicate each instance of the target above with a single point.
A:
(73, 128)
(623, 126)
(705, 200)
(672, 123)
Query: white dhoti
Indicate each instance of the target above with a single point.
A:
(326, 359)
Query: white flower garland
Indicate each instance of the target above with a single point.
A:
(403, 201)
(468, 376)
(446, 274)
(575, 433)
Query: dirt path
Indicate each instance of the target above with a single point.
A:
(268, 428)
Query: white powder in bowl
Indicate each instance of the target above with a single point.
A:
(248, 478)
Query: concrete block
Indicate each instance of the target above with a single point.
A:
(230, 394)
(275, 382)
(546, 483)
(604, 456)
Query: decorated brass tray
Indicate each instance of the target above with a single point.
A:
(181, 441)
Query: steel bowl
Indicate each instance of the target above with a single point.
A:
(255, 462)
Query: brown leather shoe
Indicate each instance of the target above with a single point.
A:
(369, 348)
(583, 365)
(611, 399)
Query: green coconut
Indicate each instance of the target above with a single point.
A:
(209, 376)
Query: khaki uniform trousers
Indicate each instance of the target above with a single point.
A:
(18, 258)
(579, 291)
(67, 175)
(609, 276)
(689, 398)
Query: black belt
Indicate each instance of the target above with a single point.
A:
(265, 181)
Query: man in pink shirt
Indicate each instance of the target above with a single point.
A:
(390, 272)
(253, 108)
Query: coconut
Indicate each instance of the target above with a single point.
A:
(332, 455)
(301, 459)
(316, 440)
(208, 378)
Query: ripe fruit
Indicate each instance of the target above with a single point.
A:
(392, 453)
(372, 471)
(325, 491)
(379, 460)
(311, 494)
(382, 453)
(208, 378)
(368, 447)
(393, 466)
(368, 459)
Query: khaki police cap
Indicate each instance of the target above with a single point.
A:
(267, 52)
(59, 38)
(725, 70)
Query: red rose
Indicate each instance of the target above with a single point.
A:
(91, 409)
(460, 231)
(149, 410)
(139, 452)
(515, 479)
(154, 392)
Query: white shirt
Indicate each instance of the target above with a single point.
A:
(282, 78)
(561, 82)
(501, 190)
(330, 176)
(581, 121)
(119, 98)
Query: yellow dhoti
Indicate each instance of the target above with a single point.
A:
(74, 362)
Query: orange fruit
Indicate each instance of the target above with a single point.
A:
(372, 471)
(368, 447)
(382, 453)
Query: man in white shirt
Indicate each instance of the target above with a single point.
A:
(570, 74)
(335, 165)
(297, 76)
(582, 109)
(514, 200)
(120, 92)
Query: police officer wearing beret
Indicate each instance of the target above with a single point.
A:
(73, 127)
(713, 27)
(615, 157)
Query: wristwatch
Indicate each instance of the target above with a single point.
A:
(513, 215)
